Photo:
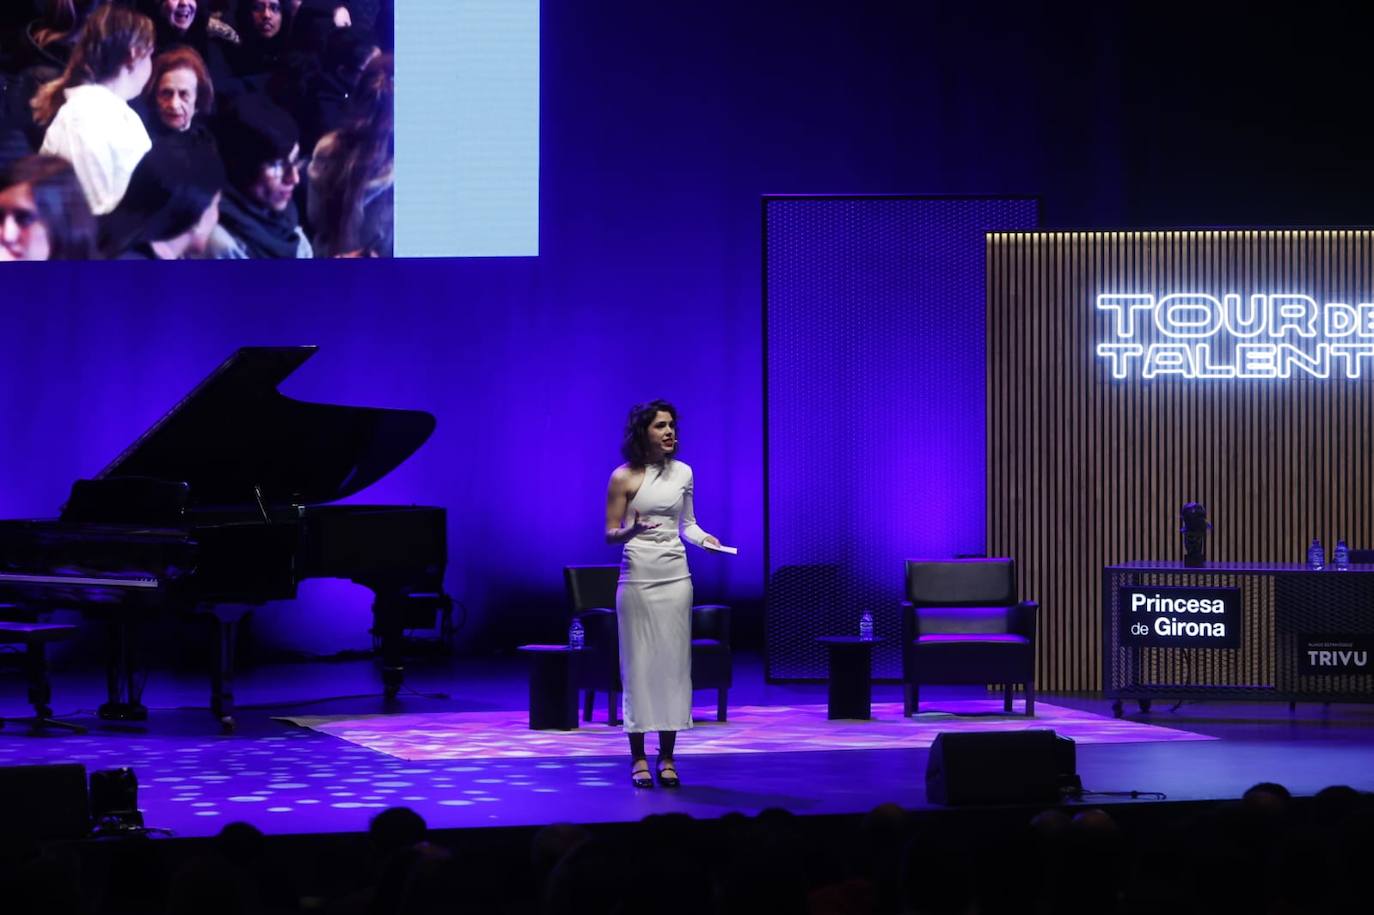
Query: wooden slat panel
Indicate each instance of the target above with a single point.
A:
(1084, 470)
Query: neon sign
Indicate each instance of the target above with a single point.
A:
(1197, 335)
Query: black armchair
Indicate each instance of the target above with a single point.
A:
(962, 623)
(591, 596)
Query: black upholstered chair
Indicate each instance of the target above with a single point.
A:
(962, 623)
(591, 598)
(712, 660)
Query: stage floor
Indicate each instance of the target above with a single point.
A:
(292, 780)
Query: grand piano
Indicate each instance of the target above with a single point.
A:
(224, 504)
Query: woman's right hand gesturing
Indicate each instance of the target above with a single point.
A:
(639, 527)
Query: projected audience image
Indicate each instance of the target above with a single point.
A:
(210, 129)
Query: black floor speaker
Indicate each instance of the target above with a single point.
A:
(44, 802)
(1000, 767)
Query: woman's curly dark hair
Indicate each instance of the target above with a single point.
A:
(635, 446)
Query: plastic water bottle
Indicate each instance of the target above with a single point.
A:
(577, 636)
(1340, 556)
(1316, 556)
(866, 625)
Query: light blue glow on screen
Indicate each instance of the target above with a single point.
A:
(467, 128)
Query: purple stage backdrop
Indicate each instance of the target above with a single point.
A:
(661, 126)
(530, 401)
(874, 313)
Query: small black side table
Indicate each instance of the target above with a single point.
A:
(553, 698)
(851, 682)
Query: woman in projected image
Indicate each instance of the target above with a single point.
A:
(171, 208)
(86, 109)
(188, 22)
(264, 28)
(43, 212)
(179, 96)
(351, 199)
(48, 40)
(648, 501)
(261, 150)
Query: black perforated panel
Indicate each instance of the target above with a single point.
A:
(874, 391)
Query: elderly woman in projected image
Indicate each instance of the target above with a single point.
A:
(261, 149)
(648, 501)
(43, 212)
(179, 96)
(352, 174)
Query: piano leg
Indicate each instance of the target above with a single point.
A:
(225, 621)
(222, 674)
(388, 615)
(122, 691)
(113, 670)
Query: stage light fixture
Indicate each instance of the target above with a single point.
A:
(114, 802)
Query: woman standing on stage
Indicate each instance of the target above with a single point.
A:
(648, 501)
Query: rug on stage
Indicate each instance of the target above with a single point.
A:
(751, 729)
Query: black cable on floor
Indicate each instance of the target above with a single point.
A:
(1152, 795)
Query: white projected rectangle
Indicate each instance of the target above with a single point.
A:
(467, 128)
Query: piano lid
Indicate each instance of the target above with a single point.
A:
(234, 431)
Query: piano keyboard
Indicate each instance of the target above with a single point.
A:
(128, 582)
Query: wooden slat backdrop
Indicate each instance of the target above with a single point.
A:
(1086, 470)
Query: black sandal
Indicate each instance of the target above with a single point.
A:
(664, 779)
(641, 778)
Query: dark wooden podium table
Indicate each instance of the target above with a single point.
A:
(851, 680)
(1286, 607)
(553, 698)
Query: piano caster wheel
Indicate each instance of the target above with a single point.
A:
(1117, 709)
(392, 678)
(226, 724)
(122, 711)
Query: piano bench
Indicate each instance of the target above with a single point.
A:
(35, 638)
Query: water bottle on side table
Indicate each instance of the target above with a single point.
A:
(1316, 556)
(1340, 556)
(577, 636)
(866, 625)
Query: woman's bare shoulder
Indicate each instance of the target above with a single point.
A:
(622, 474)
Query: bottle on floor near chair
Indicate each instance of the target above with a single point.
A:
(866, 625)
(1316, 556)
(1340, 556)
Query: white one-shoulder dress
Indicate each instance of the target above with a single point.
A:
(653, 603)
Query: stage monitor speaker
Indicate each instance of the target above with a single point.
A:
(44, 802)
(1000, 767)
